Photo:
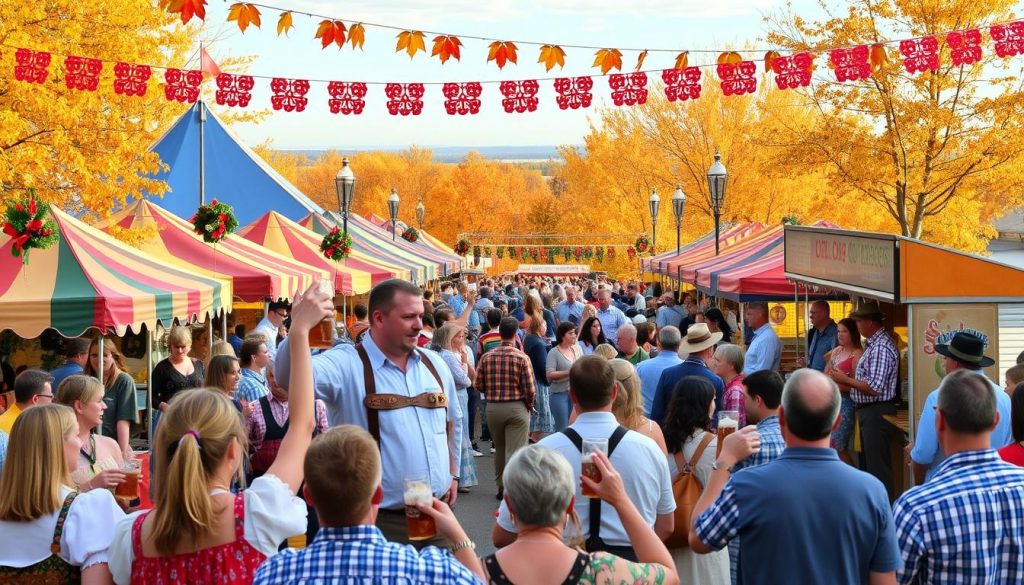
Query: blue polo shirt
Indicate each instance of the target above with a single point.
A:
(691, 366)
(63, 371)
(821, 521)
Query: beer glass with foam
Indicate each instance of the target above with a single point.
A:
(417, 491)
(589, 468)
(321, 336)
(728, 423)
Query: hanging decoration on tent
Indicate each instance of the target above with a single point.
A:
(964, 47)
(588, 253)
(851, 64)
(523, 252)
(404, 98)
(544, 253)
(611, 253)
(27, 223)
(631, 252)
(337, 245)
(577, 252)
(520, 96)
(793, 71)
(462, 98)
(920, 55)
(410, 234)
(566, 253)
(476, 255)
(487, 251)
(1008, 38)
(346, 97)
(500, 251)
(642, 244)
(599, 252)
(462, 247)
(736, 75)
(214, 221)
(130, 79)
(629, 89)
(234, 90)
(82, 73)
(182, 86)
(31, 66)
(511, 252)
(574, 92)
(682, 84)
(289, 94)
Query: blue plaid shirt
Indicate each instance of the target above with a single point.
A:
(772, 444)
(965, 524)
(879, 367)
(360, 555)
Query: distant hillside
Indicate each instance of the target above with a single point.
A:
(454, 154)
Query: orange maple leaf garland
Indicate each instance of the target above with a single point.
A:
(186, 8)
(501, 52)
(284, 23)
(608, 59)
(357, 35)
(446, 47)
(244, 15)
(331, 31)
(411, 41)
(551, 55)
(640, 60)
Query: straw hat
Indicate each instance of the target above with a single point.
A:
(698, 338)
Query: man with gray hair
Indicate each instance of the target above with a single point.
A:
(570, 309)
(628, 348)
(610, 316)
(650, 370)
(836, 519)
(964, 525)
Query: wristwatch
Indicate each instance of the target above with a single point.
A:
(456, 478)
(461, 545)
(715, 466)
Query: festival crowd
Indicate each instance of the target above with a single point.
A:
(639, 436)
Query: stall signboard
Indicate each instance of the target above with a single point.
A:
(554, 269)
(849, 260)
(934, 324)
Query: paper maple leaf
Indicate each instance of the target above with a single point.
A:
(244, 15)
(446, 47)
(551, 55)
(411, 42)
(608, 59)
(502, 52)
(331, 31)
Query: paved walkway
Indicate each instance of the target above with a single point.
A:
(475, 510)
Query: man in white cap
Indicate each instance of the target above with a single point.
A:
(696, 349)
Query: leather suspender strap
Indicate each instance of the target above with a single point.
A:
(430, 366)
(372, 420)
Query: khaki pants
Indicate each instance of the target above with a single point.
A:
(509, 423)
(392, 524)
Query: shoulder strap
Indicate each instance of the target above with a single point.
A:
(700, 449)
(582, 560)
(137, 533)
(575, 437)
(594, 520)
(430, 366)
(240, 516)
(372, 420)
(58, 530)
(613, 441)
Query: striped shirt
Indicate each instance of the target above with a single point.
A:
(360, 554)
(505, 375)
(966, 524)
(879, 367)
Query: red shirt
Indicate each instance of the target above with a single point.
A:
(1013, 453)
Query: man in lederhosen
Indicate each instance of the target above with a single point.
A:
(403, 395)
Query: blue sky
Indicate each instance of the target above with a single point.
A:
(655, 24)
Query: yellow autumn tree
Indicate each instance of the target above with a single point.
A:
(84, 150)
(938, 151)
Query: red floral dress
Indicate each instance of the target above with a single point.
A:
(226, 564)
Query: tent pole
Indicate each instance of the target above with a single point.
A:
(796, 311)
(150, 340)
(224, 324)
(209, 337)
(202, 159)
(99, 359)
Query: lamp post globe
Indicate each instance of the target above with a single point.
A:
(654, 203)
(717, 177)
(345, 184)
(678, 208)
(393, 202)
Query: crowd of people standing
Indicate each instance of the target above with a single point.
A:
(607, 408)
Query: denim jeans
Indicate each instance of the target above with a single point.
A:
(560, 408)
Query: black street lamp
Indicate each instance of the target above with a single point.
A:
(421, 213)
(654, 203)
(678, 207)
(345, 184)
(717, 177)
(393, 209)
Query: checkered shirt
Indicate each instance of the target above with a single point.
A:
(505, 374)
(879, 367)
(966, 524)
(359, 555)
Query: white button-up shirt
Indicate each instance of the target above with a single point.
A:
(638, 460)
(413, 440)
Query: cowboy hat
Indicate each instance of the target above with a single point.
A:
(966, 348)
(698, 338)
(869, 311)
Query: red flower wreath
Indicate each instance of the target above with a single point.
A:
(26, 222)
(214, 221)
(410, 234)
(462, 247)
(642, 244)
(336, 245)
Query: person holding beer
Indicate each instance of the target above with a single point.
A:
(637, 458)
(412, 408)
(343, 482)
(199, 450)
(99, 460)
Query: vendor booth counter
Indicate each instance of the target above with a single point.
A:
(927, 292)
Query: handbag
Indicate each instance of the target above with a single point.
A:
(686, 490)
